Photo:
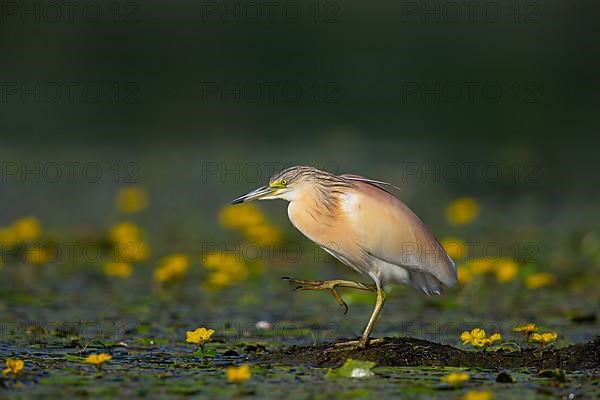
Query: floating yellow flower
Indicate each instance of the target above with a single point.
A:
(462, 211)
(227, 269)
(474, 338)
(118, 269)
(251, 221)
(38, 255)
(526, 328)
(263, 234)
(477, 338)
(132, 199)
(131, 252)
(220, 260)
(125, 232)
(539, 280)
(506, 270)
(241, 216)
(478, 395)
(544, 338)
(26, 229)
(455, 378)
(129, 246)
(238, 374)
(481, 265)
(455, 247)
(171, 268)
(7, 235)
(199, 336)
(97, 359)
(464, 274)
(496, 337)
(13, 366)
(219, 280)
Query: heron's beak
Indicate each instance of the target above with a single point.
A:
(254, 195)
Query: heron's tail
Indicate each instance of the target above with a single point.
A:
(426, 282)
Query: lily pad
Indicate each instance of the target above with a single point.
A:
(352, 369)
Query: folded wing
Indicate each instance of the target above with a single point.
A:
(397, 240)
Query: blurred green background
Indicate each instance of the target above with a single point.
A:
(512, 73)
(360, 87)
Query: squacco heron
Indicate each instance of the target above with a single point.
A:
(364, 226)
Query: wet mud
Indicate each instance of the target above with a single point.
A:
(411, 352)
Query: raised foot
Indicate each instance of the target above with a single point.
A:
(308, 285)
(302, 284)
(331, 285)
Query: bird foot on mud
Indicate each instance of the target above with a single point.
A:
(354, 344)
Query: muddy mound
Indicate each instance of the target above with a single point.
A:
(411, 352)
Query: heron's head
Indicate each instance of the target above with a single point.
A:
(285, 185)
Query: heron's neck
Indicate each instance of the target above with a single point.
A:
(317, 199)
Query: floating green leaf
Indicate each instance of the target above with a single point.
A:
(352, 369)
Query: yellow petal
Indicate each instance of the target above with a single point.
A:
(478, 333)
(478, 395)
(527, 328)
(238, 374)
(539, 280)
(465, 337)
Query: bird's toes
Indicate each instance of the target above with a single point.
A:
(345, 308)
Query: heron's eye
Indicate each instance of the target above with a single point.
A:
(283, 182)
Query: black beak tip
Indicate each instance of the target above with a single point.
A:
(236, 201)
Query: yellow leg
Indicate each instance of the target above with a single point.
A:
(331, 285)
(362, 343)
(374, 316)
